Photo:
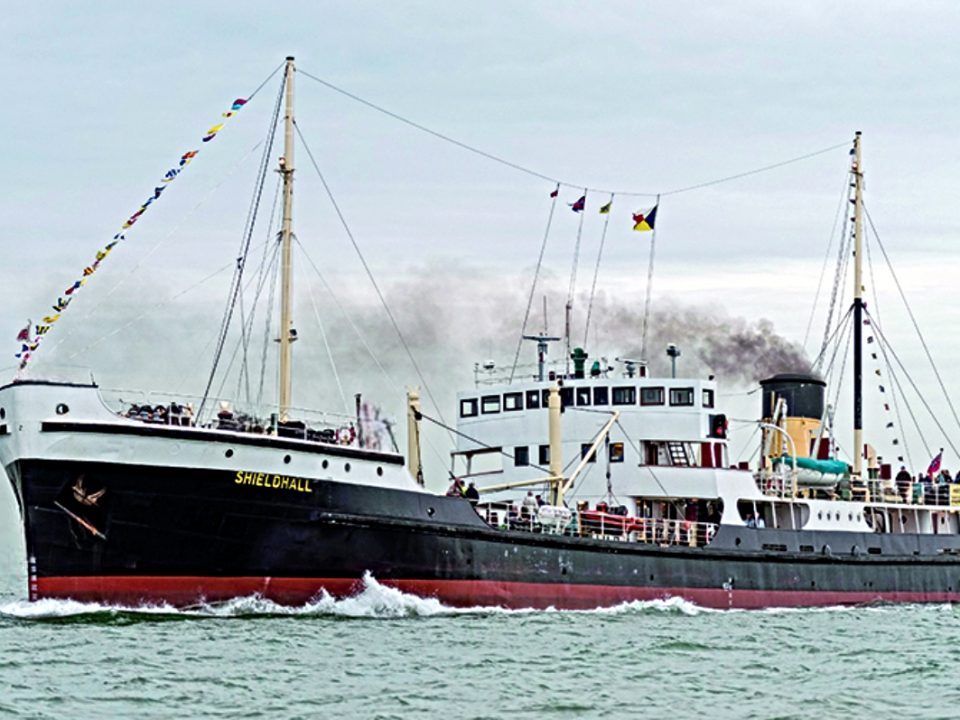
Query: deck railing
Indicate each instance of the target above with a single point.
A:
(601, 525)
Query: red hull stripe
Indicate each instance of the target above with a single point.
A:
(458, 593)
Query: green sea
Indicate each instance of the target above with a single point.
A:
(383, 654)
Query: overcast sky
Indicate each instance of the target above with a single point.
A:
(102, 98)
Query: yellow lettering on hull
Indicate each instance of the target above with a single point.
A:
(272, 482)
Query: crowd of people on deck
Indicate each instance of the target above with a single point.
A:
(929, 488)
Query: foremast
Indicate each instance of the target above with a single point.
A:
(287, 333)
(857, 171)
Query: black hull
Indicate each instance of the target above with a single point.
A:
(150, 534)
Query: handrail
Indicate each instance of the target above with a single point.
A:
(601, 525)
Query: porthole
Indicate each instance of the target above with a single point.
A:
(287, 459)
(62, 409)
(737, 542)
(820, 515)
(859, 517)
(325, 464)
(3, 413)
(229, 453)
(431, 511)
(651, 578)
(379, 471)
(346, 467)
(850, 516)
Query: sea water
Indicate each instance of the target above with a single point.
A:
(385, 654)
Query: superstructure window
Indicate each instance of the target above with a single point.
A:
(521, 456)
(601, 396)
(490, 404)
(681, 396)
(512, 401)
(545, 398)
(624, 396)
(544, 455)
(584, 449)
(566, 397)
(533, 399)
(708, 398)
(616, 452)
(651, 396)
(468, 407)
(583, 396)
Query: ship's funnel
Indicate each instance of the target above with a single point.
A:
(803, 397)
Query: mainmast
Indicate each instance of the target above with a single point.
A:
(857, 309)
(287, 333)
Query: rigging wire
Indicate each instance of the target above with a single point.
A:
(646, 303)
(596, 272)
(267, 271)
(573, 278)
(326, 345)
(261, 277)
(533, 287)
(901, 430)
(553, 180)
(838, 290)
(175, 229)
(244, 246)
(369, 272)
(893, 353)
(156, 306)
(101, 300)
(913, 319)
(844, 198)
(390, 381)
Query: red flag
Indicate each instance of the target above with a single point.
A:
(935, 464)
(25, 333)
(555, 192)
(579, 205)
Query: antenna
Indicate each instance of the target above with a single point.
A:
(542, 345)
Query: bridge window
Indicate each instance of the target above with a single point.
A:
(566, 397)
(584, 449)
(512, 401)
(708, 398)
(681, 396)
(651, 396)
(533, 399)
(521, 456)
(616, 452)
(490, 404)
(544, 455)
(600, 396)
(468, 407)
(624, 396)
(583, 396)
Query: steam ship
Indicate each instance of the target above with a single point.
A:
(639, 497)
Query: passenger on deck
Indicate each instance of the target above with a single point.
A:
(751, 521)
(472, 494)
(760, 523)
(530, 503)
(904, 483)
(540, 501)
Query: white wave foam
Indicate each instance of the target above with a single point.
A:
(374, 600)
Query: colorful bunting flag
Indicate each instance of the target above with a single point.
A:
(605, 209)
(579, 205)
(23, 336)
(555, 192)
(25, 333)
(644, 223)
